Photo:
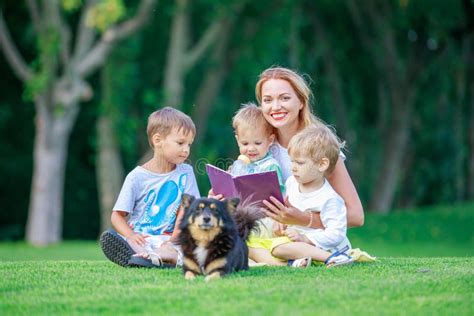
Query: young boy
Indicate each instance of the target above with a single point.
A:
(314, 153)
(151, 195)
(254, 137)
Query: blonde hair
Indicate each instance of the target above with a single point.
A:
(164, 120)
(251, 116)
(301, 87)
(316, 142)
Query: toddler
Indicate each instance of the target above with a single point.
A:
(314, 152)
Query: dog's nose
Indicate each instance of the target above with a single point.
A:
(206, 219)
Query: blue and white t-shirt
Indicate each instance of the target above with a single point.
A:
(153, 199)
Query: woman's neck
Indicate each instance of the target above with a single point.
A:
(286, 133)
(158, 164)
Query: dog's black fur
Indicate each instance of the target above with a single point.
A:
(213, 235)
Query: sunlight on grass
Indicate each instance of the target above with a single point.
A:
(416, 273)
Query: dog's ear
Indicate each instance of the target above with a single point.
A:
(232, 204)
(186, 201)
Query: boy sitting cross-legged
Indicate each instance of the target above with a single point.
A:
(151, 196)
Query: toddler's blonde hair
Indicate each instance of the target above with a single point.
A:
(316, 142)
(250, 116)
(164, 120)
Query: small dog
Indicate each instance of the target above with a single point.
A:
(213, 235)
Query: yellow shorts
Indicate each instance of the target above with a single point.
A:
(267, 243)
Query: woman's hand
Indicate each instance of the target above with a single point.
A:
(289, 215)
(283, 213)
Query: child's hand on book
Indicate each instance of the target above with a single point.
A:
(212, 195)
(283, 213)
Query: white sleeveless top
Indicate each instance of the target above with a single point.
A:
(280, 153)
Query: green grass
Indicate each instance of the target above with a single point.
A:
(425, 266)
(441, 231)
(391, 286)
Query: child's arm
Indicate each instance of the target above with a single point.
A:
(334, 220)
(120, 224)
(176, 230)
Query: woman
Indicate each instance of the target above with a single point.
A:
(284, 97)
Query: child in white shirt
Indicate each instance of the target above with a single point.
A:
(314, 153)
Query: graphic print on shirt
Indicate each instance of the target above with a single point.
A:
(171, 219)
(160, 213)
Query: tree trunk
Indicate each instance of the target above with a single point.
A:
(44, 225)
(213, 81)
(174, 71)
(393, 153)
(110, 172)
(57, 101)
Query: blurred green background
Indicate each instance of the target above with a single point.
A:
(395, 78)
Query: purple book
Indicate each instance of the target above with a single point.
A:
(251, 187)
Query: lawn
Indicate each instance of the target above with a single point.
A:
(425, 266)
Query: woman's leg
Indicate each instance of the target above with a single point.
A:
(295, 250)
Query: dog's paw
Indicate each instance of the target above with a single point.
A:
(213, 276)
(189, 275)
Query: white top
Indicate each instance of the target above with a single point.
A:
(333, 214)
(153, 199)
(280, 153)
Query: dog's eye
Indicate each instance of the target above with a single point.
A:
(201, 206)
(212, 206)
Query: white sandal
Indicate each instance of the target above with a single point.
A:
(300, 263)
(339, 258)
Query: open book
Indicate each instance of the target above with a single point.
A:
(251, 187)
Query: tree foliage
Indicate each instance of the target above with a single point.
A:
(395, 78)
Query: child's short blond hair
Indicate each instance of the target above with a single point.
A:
(250, 116)
(316, 142)
(164, 120)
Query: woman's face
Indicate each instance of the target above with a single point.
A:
(280, 104)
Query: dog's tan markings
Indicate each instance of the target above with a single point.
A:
(202, 205)
(189, 275)
(213, 276)
(216, 264)
(203, 237)
(213, 206)
(191, 265)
